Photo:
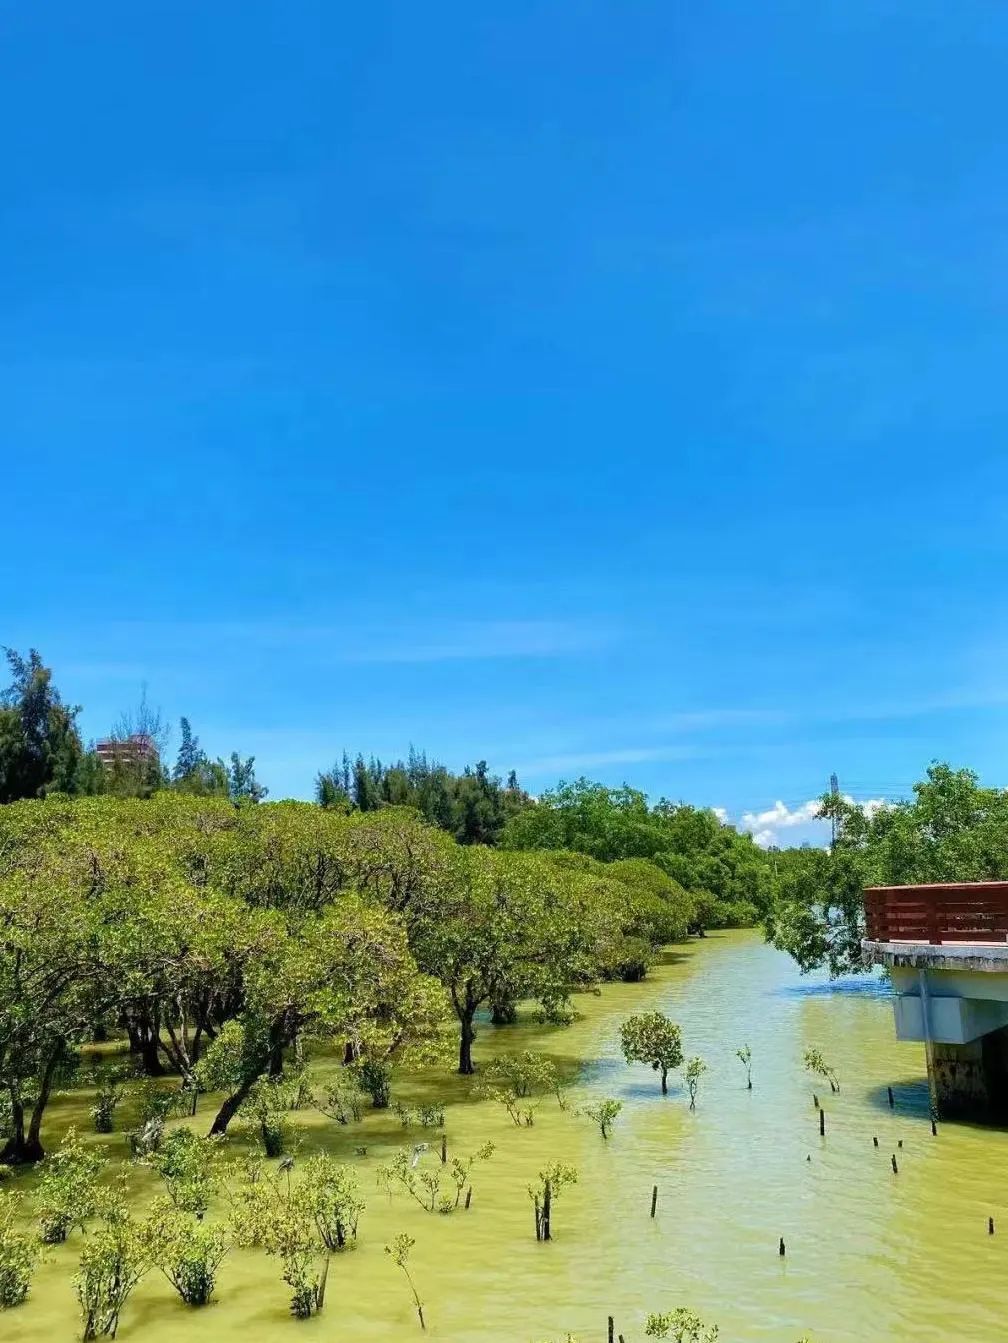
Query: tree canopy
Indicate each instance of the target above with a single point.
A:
(952, 830)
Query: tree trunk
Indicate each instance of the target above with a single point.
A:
(230, 1106)
(466, 1038)
(150, 1058)
(17, 1151)
(664, 1081)
(42, 1100)
(143, 1041)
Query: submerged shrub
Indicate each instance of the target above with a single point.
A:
(650, 1037)
(695, 1069)
(329, 1194)
(252, 1194)
(188, 1252)
(267, 1103)
(18, 1254)
(553, 1179)
(68, 1188)
(342, 1101)
(375, 1080)
(518, 1081)
(291, 1236)
(186, 1162)
(399, 1251)
(604, 1113)
(111, 1088)
(113, 1259)
(682, 1326)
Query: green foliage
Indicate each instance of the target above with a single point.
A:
(695, 1069)
(604, 1113)
(425, 1186)
(682, 1326)
(252, 1194)
(187, 1163)
(111, 1089)
(67, 1191)
(518, 1082)
(188, 1252)
(267, 1103)
(374, 1077)
(553, 1180)
(472, 806)
(291, 1236)
(815, 1063)
(689, 845)
(952, 830)
(18, 1254)
(651, 1038)
(399, 1251)
(329, 1193)
(341, 1100)
(114, 1258)
(40, 747)
(194, 771)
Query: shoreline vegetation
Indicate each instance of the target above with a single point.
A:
(177, 949)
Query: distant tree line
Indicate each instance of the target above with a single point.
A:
(726, 876)
(41, 750)
(473, 806)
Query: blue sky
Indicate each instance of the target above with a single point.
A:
(607, 389)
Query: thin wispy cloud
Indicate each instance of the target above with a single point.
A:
(570, 762)
(347, 643)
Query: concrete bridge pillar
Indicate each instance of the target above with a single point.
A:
(953, 998)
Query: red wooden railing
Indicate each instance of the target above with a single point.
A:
(955, 911)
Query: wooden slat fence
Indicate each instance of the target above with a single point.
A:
(973, 911)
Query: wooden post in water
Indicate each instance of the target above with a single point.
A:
(892, 1099)
(822, 1123)
(990, 1226)
(815, 1100)
(875, 1139)
(444, 1148)
(934, 1128)
(654, 1199)
(895, 1168)
(610, 1334)
(780, 1248)
(468, 1197)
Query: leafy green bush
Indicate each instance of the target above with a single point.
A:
(329, 1194)
(682, 1326)
(114, 1258)
(342, 1100)
(188, 1252)
(651, 1037)
(68, 1188)
(604, 1113)
(375, 1080)
(18, 1254)
(186, 1163)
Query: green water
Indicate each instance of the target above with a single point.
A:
(870, 1256)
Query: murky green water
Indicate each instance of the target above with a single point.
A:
(870, 1255)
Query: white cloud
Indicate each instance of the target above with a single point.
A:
(721, 813)
(780, 816)
(765, 826)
